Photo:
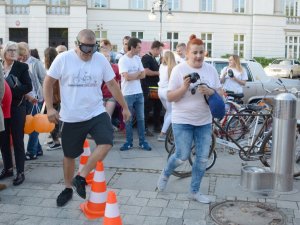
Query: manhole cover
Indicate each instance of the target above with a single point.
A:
(246, 213)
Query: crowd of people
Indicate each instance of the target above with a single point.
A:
(83, 87)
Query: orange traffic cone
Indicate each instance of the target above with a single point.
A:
(112, 213)
(94, 208)
(83, 160)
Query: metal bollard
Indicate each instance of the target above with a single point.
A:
(284, 138)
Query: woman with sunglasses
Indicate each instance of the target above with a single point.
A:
(17, 76)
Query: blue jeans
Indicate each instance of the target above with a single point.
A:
(185, 135)
(136, 105)
(33, 145)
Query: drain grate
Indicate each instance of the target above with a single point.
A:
(246, 213)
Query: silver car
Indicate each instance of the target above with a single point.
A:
(257, 80)
(289, 68)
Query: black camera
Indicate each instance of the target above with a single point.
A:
(230, 73)
(193, 77)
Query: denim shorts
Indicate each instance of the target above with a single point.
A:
(73, 135)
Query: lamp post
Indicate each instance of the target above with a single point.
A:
(160, 4)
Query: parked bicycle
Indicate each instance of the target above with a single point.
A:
(232, 106)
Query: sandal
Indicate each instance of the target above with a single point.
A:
(29, 156)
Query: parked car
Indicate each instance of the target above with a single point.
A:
(257, 79)
(289, 68)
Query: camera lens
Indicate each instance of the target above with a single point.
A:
(194, 77)
(230, 73)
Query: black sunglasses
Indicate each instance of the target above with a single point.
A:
(87, 48)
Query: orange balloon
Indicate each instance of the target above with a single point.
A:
(29, 127)
(42, 124)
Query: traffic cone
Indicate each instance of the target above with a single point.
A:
(94, 208)
(112, 213)
(83, 160)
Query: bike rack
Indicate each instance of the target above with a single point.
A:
(279, 177)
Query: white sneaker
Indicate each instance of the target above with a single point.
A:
(162, 182)
(199, 197)
(161, 138)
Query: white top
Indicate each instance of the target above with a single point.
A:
(192, 109)
(230, 84)
(163, 76)
(80, 84)
(179, 59)
(130, 65)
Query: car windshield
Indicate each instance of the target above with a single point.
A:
(283, 62)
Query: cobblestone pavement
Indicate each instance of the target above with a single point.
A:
(133, 175)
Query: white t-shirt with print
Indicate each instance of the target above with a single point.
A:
(192, 109)
(130, 65)
(230, 84)
(80, 84)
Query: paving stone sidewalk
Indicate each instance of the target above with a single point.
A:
(133, 175)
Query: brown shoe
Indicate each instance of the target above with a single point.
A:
(2, 187)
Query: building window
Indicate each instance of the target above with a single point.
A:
(137, 4)
(137, 34)
(173, 39)
(239, 6)
(18, 34)
(58, 2)
(206, 5)
(207, 39)
(58, 36)
(18, 7)
(100, 3)
(239, 45)
(58, 7)
(292, 47)
(101, 34)
(20, 2)
(291, 8)
(173, 4)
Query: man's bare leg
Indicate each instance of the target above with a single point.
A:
(69, 168)
(66, 195)
(98, 155)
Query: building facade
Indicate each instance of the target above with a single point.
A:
(250, 28)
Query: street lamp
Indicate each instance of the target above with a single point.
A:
(160, 4)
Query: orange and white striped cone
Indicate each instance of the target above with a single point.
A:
(94, 208)
(112, 213)
(83, 160)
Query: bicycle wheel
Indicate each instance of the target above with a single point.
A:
(266, 149)
(238, 126)
(212, 157)
(169, 142)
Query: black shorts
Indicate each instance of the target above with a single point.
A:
(73, 135)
